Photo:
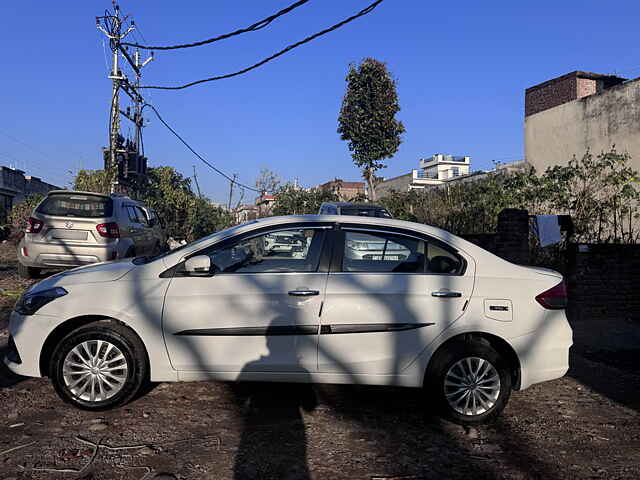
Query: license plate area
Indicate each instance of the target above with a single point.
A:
(59, 234)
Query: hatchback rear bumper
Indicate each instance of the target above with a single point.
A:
(51, 255)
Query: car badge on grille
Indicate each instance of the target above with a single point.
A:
(68, 224)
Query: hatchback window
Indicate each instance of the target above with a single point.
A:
(76, 205)
(283, 251)
(142, 217)
(133, 214)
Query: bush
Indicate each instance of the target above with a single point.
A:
(17, 219)
(600, 193)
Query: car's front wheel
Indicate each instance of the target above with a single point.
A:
(470, 382)
(99, 366)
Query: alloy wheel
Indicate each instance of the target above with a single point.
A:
(472, 386)
(95, 370)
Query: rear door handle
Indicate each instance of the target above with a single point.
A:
(446, 294)
(304, 293)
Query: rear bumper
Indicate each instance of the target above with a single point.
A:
(51, 255)
(544, 353)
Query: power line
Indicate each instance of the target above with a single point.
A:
(203, 160)
(275, 55)
(251, 28)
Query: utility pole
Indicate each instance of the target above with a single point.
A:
(112, 25)
(195, 179)
(235, 175)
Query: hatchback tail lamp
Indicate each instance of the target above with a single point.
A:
(555, 298)
(108, 230)
(34, 225)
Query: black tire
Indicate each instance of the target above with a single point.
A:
(28, 272)
(130, 253)
(445, 359)
(119, 336)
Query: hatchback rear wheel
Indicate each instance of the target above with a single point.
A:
(99, 366)
(28, 272)
(470, 382)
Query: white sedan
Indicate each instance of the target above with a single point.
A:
(448, 317)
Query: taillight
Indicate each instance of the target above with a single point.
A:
(555, 298)
(108, 230)
(34, 225)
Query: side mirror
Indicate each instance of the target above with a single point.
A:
(198, 264)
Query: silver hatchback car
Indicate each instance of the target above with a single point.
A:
(70, 228)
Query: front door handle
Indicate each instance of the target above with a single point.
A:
(446, 294)
(304, 293)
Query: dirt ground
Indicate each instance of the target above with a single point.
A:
(586, 425)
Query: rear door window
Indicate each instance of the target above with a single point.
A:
(133, 214)
(142, 217)
(381, 252)
(77, 205)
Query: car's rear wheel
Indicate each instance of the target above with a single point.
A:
(28, 272)
(99, 366)
(470, 381)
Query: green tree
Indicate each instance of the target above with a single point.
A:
(98, 181)
(183, 213)
(292, 200)
(367, 118)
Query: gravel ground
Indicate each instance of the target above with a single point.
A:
(586, 425)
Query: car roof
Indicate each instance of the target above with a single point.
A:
(350, 220)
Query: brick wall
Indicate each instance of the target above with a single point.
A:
(550, 94)
(604, 281)
(511, 241)
(566, 88)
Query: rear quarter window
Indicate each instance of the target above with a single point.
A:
(72, 205)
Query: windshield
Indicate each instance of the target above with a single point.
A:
(76, 205)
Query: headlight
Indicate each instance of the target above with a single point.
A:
(30, 303)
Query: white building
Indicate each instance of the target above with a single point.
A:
(434, 170)
(443, 167)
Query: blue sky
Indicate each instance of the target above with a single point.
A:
(461, 69)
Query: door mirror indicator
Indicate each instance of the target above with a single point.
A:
(200, 264)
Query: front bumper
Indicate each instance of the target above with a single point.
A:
(544, 353)
(28, 334)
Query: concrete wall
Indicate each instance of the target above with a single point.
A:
(399, 184)
(596, 122)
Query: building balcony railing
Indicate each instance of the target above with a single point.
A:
(424, 175)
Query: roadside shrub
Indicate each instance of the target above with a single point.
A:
(17, 220)
(601, 193)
